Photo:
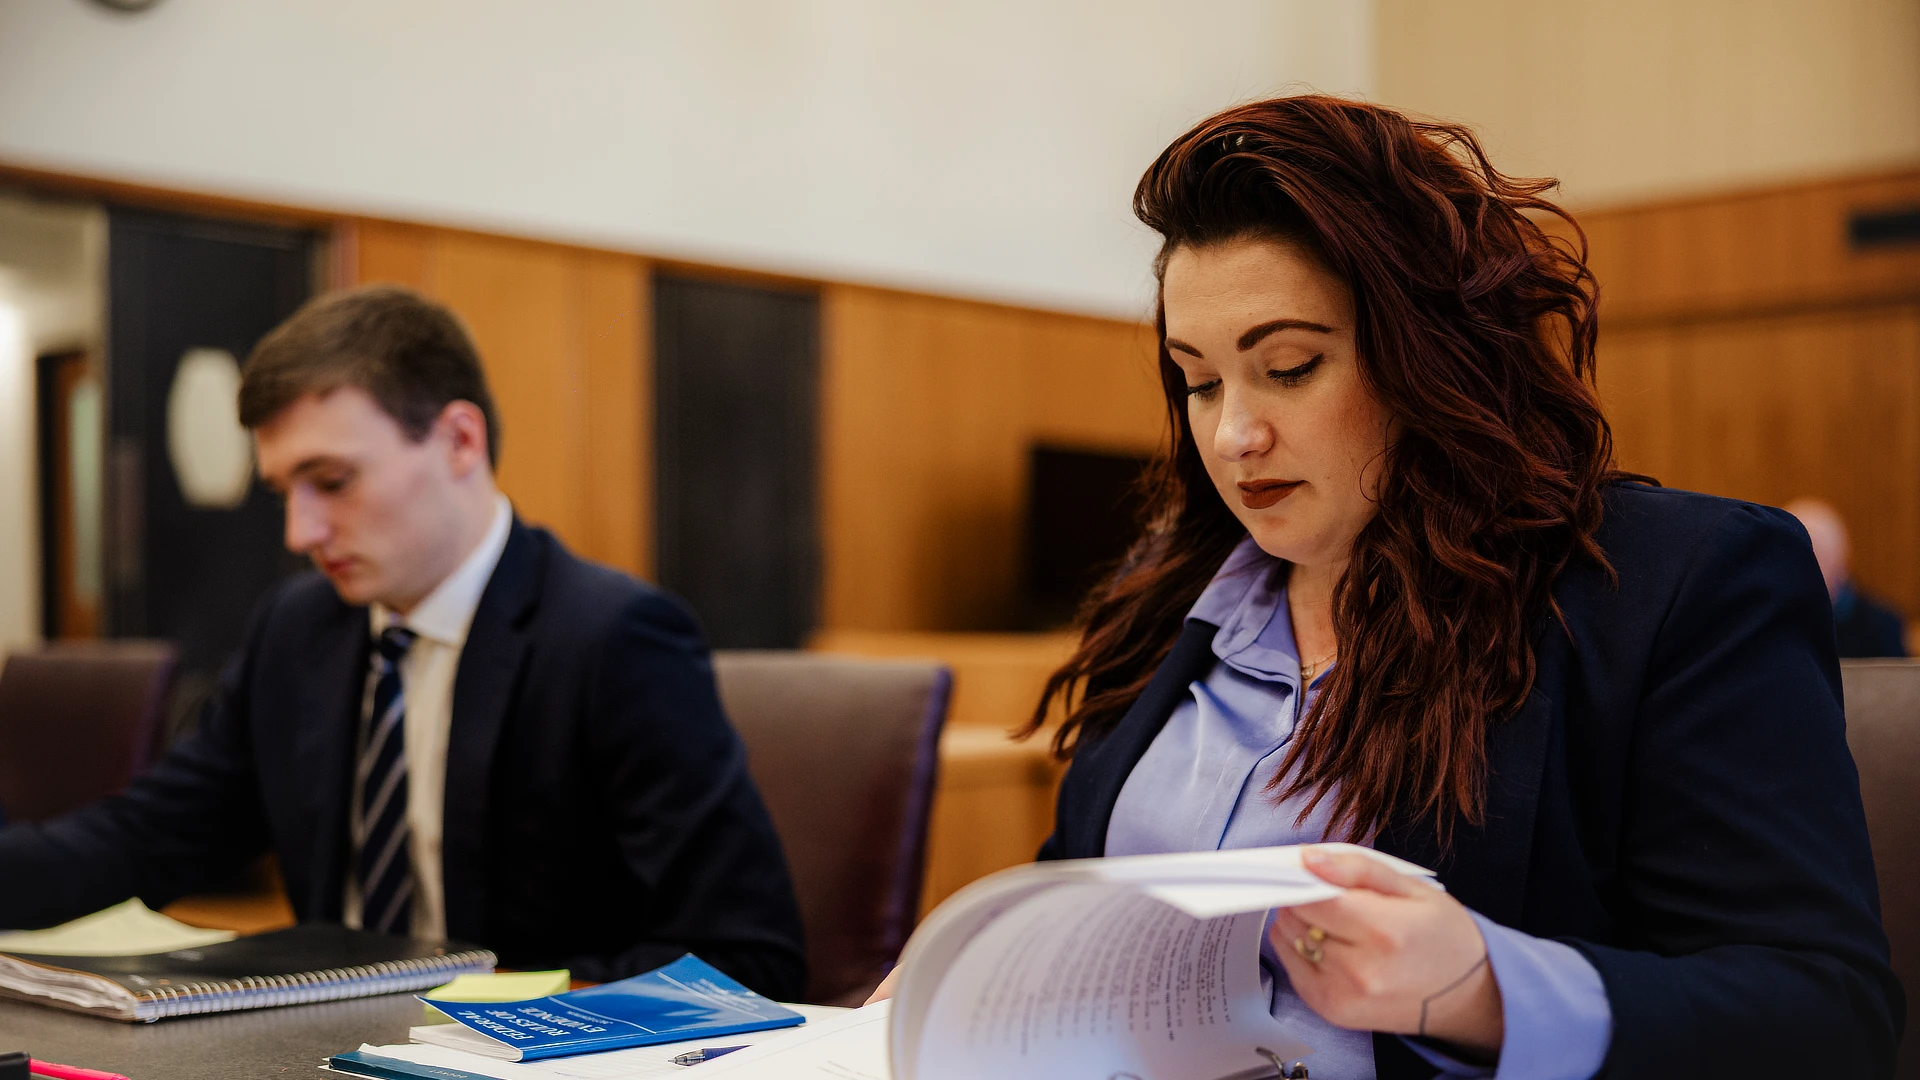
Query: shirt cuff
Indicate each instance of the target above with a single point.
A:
(1558, 1022)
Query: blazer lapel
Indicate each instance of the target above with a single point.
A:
(328, 715)
(1108, 762)
(1487, 866)
(490, 664)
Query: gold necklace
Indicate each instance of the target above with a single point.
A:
(1314, 667)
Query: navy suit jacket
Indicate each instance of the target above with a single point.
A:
(599, 815)
(1675, 799)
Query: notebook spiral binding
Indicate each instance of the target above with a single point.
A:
(261, 992)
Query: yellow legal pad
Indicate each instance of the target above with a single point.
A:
(499, 986)
(130, 928)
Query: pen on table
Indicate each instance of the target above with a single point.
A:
(705, 1053)
(69, 1072)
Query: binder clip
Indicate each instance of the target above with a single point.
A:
(1276, 1068)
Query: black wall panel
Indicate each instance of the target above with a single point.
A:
(189, 573)
(737, 374)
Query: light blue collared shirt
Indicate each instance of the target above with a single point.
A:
(1203, 785)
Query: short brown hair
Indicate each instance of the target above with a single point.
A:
(410, 354)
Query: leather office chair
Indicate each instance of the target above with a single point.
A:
(77, 721)
(1883, 730)
(845, 752)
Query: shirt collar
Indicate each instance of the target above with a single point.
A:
(447, 612)
(1247, 600)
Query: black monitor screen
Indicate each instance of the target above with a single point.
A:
(1082, 513)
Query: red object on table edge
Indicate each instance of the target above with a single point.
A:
(68, 1072)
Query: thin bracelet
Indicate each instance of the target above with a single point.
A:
(1445, 990)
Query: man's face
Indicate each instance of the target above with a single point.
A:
(376, 511)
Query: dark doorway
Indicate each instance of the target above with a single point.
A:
(193, 544)
(736, 376)
(71, 410)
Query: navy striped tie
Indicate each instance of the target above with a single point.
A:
(383, 862)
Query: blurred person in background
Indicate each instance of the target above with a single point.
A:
(1864, 626)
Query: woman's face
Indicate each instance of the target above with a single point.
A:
(1290, 434)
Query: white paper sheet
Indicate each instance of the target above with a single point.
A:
(852, 1046)
(1093, 981)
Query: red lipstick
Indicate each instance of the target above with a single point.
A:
(1260, 494)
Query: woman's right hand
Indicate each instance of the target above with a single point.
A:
(885, 989)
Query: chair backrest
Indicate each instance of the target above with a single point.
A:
(77, 721)
(845, 753)
(1883, 729)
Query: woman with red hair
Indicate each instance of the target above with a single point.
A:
(1393, 590)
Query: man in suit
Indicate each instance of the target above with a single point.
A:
(1863, 625)
(454, 728)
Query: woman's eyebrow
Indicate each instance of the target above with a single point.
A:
(1252, 337)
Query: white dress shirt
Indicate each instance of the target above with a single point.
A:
(426, 678)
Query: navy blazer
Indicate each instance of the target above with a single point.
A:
(1675, 799)
(599, 814)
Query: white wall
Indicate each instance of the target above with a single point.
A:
(52, 298)
(19, 516)
(1630, 100)
(986, 148)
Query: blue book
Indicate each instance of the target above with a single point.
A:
(361, 1063)
(687, 999)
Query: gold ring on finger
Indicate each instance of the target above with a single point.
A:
(1316, 935)
(1313, 954)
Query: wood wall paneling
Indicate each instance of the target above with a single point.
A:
(618, 341)
(563, 334)
(519, 302)
(922, 411)
(1825, 404)
(1747, 252)
(386, 251)
(1746, 350)
(928, 407)
(1093, 384)
(1635, 375)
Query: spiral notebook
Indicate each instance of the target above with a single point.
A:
(296, 966)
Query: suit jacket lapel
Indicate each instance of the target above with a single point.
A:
(490, 664)
(1487, 866)
(327, 726)
(1108, 763)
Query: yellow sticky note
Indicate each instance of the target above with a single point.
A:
(499, 986)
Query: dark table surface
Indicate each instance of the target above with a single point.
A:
(291, 1041)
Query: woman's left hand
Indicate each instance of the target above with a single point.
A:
(1391, 954)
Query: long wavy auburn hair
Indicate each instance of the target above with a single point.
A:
(1475, 331)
